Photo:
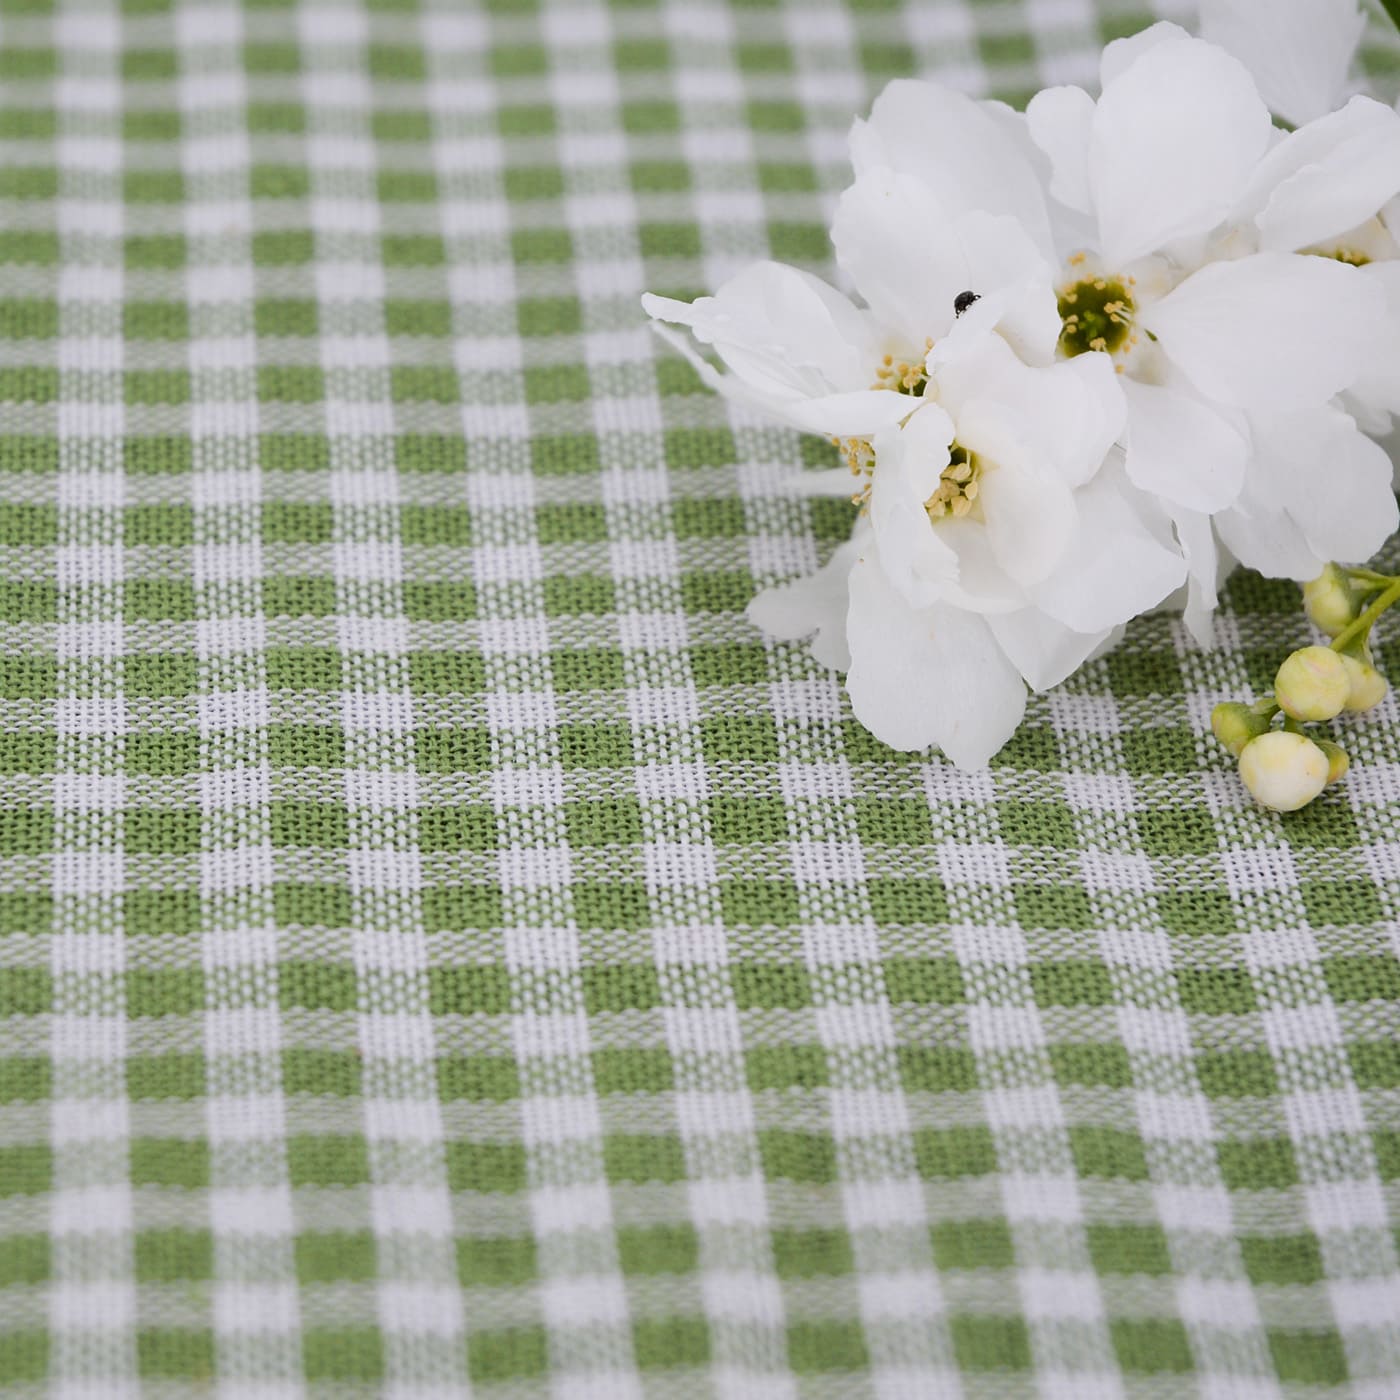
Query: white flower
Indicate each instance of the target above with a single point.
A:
(800, 351)
(1000, 550)
(995, 553)
(1232, 340)
(1299, 52)
(1156, 166)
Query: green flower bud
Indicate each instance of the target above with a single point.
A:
(1312, 684)
(1331, 602)
(1368, 686)
(1235, 725)
(1337, 760)
(1284, 771)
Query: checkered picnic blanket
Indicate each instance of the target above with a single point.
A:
(444, 950)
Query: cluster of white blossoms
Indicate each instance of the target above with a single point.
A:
(1104, 350)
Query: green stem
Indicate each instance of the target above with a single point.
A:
(1392, 8)
(1370, 576)
(1362, 625)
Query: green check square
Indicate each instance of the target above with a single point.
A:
(175, 1353)
(169, 1161)
(972, 1244)
(328, 1256)
(24, 1355)
(327, 1159)
(350, 1355)
(24, 1259)
(1308, 1357)
(493, 1167)
(990, 1343)
(812, 1253)
(835, 1344)
(500, 1355)
(1151, 1346)
(658, 1249)
(664, 1345)
(641, 1157)
(496, 1261)
(164, 1256)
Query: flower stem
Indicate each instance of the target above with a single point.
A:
(1362, 625)
(1392, 8)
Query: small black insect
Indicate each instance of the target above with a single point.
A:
(963, 300)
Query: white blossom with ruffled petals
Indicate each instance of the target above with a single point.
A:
(1178, 209)
(1000, 543)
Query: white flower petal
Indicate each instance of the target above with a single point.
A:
(1260, 530)
(1378, 388)
(816, 604)
(1181, 448)
(964, 153)
(1326, 178)
(982, 584)
(1069, 413)
(919, 562)
(894, 239)
(1331, 478)
(1198, 543)
(1269, 332)
(1045, 651)
(922, 451)
(827, 481)
(1116, 565)
(1023, 317)
(1028, 510)
(783, 330)
(859, 414)
(1006, 269)
(1060, 121)
(928, 676)
(1174, 137)
(1298, 52)
(1268, 539)
(1121, 54)
(1082, 408)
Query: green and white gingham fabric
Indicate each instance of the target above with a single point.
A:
(444, 950)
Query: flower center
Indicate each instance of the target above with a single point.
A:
(1098, 315)
(903, 376)
(958, 487)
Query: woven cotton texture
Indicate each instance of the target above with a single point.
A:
(444, 950)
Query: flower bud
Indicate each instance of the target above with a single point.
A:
(1331, 602)
(1312, 684)
(1284, 771)
(1368, 686)
(1337, 760)
(1235, 725)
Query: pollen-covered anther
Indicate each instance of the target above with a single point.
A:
(859, 457)
(857, 453)
(903, 376)
(958, 488)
